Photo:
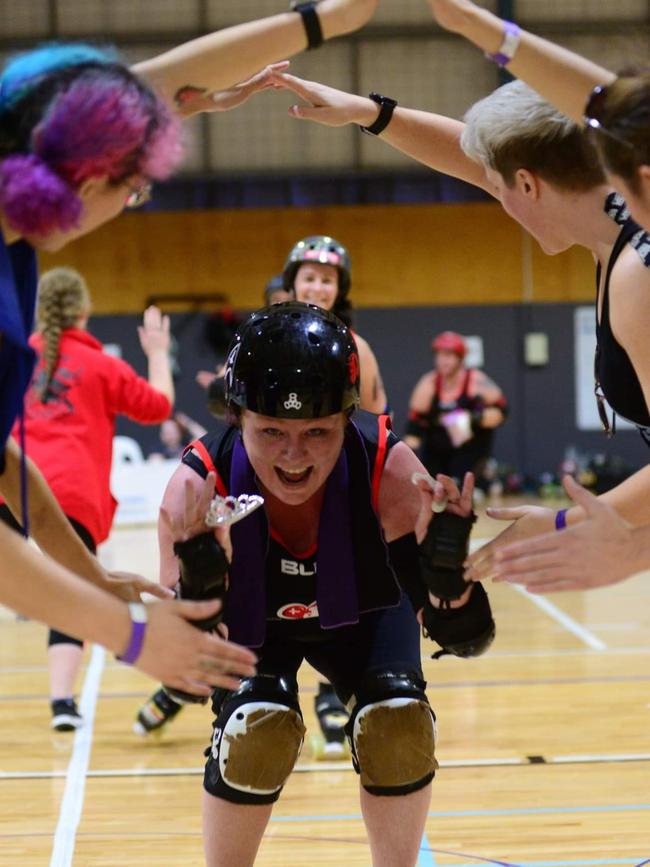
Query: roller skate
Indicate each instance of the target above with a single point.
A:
(65, 715)
(330, 743)
(155, 714)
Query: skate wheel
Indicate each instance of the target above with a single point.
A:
(328, 752)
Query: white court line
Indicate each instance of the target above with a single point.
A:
(563, 619)
(73, 796)
(320, 767)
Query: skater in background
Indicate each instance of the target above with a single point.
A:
(176, 434)
(70, 410)
(453, 413)
(318, 271)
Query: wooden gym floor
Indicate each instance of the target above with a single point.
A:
(544, 746)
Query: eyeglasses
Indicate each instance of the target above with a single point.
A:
(139, 195)
(593, 112)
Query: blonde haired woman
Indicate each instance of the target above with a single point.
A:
(70, 410)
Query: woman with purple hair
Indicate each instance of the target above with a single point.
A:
(81, 138)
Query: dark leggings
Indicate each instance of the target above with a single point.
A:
(7, 517)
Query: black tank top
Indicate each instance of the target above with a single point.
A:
(614, 370)
(437, 438)
(291, 590)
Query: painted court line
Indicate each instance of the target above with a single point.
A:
(73, 796)
(563, 619)
(339, 767)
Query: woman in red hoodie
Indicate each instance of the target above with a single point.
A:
(70, 410)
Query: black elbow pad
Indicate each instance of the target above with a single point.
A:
(465, 631)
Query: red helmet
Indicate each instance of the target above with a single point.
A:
(450, 341)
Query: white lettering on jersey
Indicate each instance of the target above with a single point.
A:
(298, 611)
(290, 567)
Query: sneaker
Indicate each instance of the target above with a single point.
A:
(65, 715)
(155, 713)
(332, 717)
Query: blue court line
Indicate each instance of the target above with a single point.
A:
(597, 862)
(426, 857)
(446, 814)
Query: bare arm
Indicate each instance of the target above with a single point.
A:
(431, 139)
(563, 78)
(372, 392)
(224, 58)
(173, 651)
(487, 389)
(154, 340)
(419, 404)
(48, 525)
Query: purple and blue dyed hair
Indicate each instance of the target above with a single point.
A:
(70, 113)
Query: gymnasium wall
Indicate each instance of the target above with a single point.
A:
(402, 255)
(542, 419)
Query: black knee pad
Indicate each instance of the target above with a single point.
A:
(56, 637)
(392, 734)
(256, 740)
(465, 631)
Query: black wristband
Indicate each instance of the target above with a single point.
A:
(386, 109)
(311, 23)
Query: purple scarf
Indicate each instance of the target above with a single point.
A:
(336, 578)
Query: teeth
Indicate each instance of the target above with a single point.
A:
(295, 472)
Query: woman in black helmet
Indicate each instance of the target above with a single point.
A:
(333, 570)
(318, 271)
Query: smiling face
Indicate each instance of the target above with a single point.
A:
(317, 283)
(292, 459)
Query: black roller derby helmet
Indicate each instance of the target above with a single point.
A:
(293, 361)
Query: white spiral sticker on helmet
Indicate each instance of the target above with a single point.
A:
(293, 402)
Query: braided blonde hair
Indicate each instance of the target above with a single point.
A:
(63, 299)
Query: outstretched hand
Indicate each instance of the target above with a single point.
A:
(527, 521)
(326, 105)
(593, 553)
(233, 97)
(129, 587)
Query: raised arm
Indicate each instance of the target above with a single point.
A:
(222, 59)
(154, 340)
(563, 78)
(431, 139)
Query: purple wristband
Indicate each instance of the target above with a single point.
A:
(509, 44)
(560, 519)
(138, 613)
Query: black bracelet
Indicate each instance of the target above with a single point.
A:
(386, 109)
(311, 23)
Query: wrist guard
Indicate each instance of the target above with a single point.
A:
(465, 631)
(442, 554)
(204, 570)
